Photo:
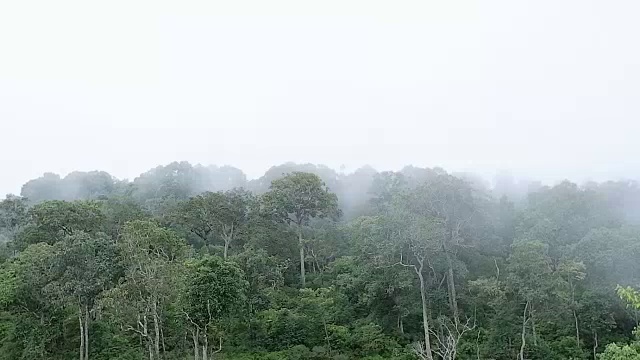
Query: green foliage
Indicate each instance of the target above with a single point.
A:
(299, 197)
(214, 290)
(51, 221)
(13, 216)
(617, 352)
(131, 270)
(221, 216)
(77, 185)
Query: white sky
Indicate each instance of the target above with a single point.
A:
(548, 89)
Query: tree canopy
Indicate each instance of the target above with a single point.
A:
(198, 262)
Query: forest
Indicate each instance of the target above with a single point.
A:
(198, 262)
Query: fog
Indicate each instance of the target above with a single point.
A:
(544, 89)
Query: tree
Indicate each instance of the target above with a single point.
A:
(263, 273)
(296, 199)
(13, 216)
(84, 266)
(450, 202)
(418, 239)
(51, 221)
(531, 277)
(158, 189)
(561, 216)
(214, 289)
(405, 239)
(630, 351)
(46, 187)
(384, 187)
(570, 273)
(437, 266)
(152, 258)
(25, 293)
(78, 185)
(222, 214)
(119, 210)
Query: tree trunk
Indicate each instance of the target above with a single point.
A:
(196, 346)
(145, 331)
(42, 342)
(452, 294)
(451, 287)
(326, 334)
(400, 324)
(302, 273)
(156, 328)
(595, 345)
(425, 315)
(164, 350)
(227, 235)
(575, 317)
(81, 333)
(478, 345)
(140, 335)
(205, 347)
(524, 331)
(533, 325)
(86, 332)
(226, 247)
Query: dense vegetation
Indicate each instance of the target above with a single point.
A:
(192, 262)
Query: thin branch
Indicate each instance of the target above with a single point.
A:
(219, 346)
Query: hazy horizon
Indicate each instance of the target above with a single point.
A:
(546, 90)
(488, 178)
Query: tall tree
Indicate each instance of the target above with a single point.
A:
(13, 216)
(84, 266)
(629, 351)
(450, 202)
(531, 278)
(401, 238)
(25, 293)
(296, 199)
(214, 289)
(152, 257)
(221, 214)
(51, 221)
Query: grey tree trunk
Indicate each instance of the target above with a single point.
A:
(575, 317)
(533, 325)
(196, 347)
(145, 331)
(326, 334)
(575, 314)
(595, 345)
(524, 331)
(453, 299)
(205, 347)
(451, 286)
(227, 235)
(156, 328)
(302, 272)
(425, 316)
(81, 333)
(86, 332)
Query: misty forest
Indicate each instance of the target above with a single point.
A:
(198, 262)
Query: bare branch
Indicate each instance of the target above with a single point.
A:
(219, 346)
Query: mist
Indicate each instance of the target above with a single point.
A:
(544, 90)
(354, 189)
(328, 180)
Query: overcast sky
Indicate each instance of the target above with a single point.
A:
(548, 89)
